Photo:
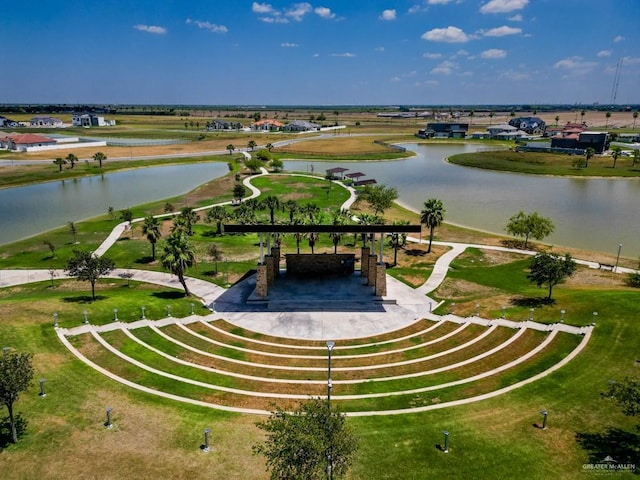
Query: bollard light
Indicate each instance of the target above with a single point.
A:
(115, 314)
(531, 310)
(595, 317)
(330, 345)
(143, 317)
(168, 310)
(42, 392)
(453, 308)
(562, 312)
(55, 320)
(477, 309)
(108, 423)
(446, 441)
(205, 447)
(544, 414)
(192, 305)
(86, 317)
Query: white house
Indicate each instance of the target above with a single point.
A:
(46, 122)
(90, 120)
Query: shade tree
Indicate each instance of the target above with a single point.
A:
(16, 373)
(550, 269)
(530, 225)
(87, 267)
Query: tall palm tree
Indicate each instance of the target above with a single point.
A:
(312, 237)
(269, 146)
(432, 216)
(608, 116)
(588, 153)
(635, 117)
(272, 203)
(398, 240)
(582, 114)
(185, 220)
(72, 159)
(252, 144)
(151, 229)
(471, 114)
(615, 153)
(491, 115)
(231, 148)
(177, 256)
(99, 157)
(312, 210)
(292, 207)
(218, 214)
(59, 162)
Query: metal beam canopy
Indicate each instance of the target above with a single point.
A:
(261, 228)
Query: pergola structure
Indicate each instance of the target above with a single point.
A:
(372, 269)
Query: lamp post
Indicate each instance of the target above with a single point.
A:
(446, 441)
(143, 317)
(42, 392)
(562, 312)
(226, 271)
(192, 305)
(544, 414)
(595, 317)
(115, 314)
(618, 258)
(531, 310)
(206, 448)
(330, 345)
(453, 308)
(504, 312)
(108, 423)
(55, 320)
(477, 309)
(168, 310)
(85, 314)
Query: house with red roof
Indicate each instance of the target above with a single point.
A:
(267, 124)
(20, 142)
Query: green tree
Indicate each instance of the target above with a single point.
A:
(312, 442)
(272, 203)
(151, 229)
(588, 153)
(59, 162)
(379, 197)
(87, 267)
(51, 246)
(177, 256)
(16, 373)
(615, 153)
(126, 215)
(579, 162)
(168, 208)
(217, 214)
(529, 226)
(72, 230)
(635, 118)
(72, 159)
(252, 145)
(185, 221)
(269, 146)
(627, 395)
(292, 207)
(398, 240)
(608, 116)
(550, 269)
(471, 115)
(231, 148)
(432, 215)
(557, 119)
(239, 191)
(254, 165)
(263, 155)
(636, 158)
(276, 164)
(99, 157)
(491, 115)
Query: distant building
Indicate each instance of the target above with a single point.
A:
(20, 142)
(444, 130)
(88, 120)
(301, 126)
(46, 122)
(581, 140)
(267, 124)
(530, 125)
(7, 122)
(223, 125)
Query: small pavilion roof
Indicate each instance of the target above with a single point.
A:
(337, 170)
(355, 175)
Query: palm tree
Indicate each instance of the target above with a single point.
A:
(231, 147)
(582, 114)
(608, 116)
(185, 221)
(72, 159)
(398, 240)
(635, 117)
(151, 229)
(218, 214)
(636, 158)
(471, 114)
(291, 206)
(312, 210)
(100, 157)
(271, 202)
(557, 119)
(239, 191)
(588, 153)
(269, 146)
(491, 115)
(615, 152)
(177, 255)
(252, 144)
(60, 162)
(312, 238)
(432, 216)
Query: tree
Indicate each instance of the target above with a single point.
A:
(588, 153)
(276, 164)
(311, 442)
(579, 162)
(185, 221)
(89, 268)
(272, 203)
(217, 214)
(251, 145)
(72, 230)
(126, 215)
(491, 115)
(582, 114)
(557, 119)
(312, 237)
(432, 216)
(627, 395)
(16, 373)
(263, 155)
(292, 207)
(635, 118)
(151, 229)
(529, 226)
(379, 197)
(231, 148)
(99, 157)
(636, 158)
(51, 246)
(72, 159)
(398, 240)
(269, 146)
(215, 254)
(550, 269)
(168, 208)
(239, 191)
(471, 115)
(615, 153)
(177, 256)
(254, 165)
(608, 116)
(59, 162)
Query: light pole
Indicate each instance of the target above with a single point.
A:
(143, 317)
(562, 312)
(477, 309)
(618, 258)
(504, 312)
(446, 441)
(531, 310)
(42, 392)
(115, 314)
(206, 448)
(85, 315)
(108, 423)
(168, 310)
(330, 345)
(192, 305)
(544, 414)
(453, 308)
(595, 317)
(55, 320)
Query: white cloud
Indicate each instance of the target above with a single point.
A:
(208, 26)
(416, 9)
(395, 79)
(289, 45)
(438, 2)
(503, 6)
(345, 55)
(515, 18)
(263, 8)
(378, 49)
(432, 56)
(298, 11)
(388, 15)
(619, 38)
(631, 60)
(575, 65)
(151, 29)
(514, 76)
(448, 35)
(502, 31)
(445, 68)
(604, 53)
(493, 53)
(462, 53)
(324, 12)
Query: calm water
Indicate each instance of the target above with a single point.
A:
(26, 211)
(597, 214)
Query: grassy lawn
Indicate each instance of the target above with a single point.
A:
(546, 164)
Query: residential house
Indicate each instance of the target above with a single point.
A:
(444, 130)
(301, 126)
(46, 122)
(530, 125)
(223, 125)
(580, 140)
(88, 120)
(7, 122)
(20, 142)
(267, 124)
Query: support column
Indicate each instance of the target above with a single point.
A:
(364, 262)
(262, 288)
(371, 275)
(381, 280)
(275, 251)
(270, 263)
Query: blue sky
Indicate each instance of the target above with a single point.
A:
(327, 52)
